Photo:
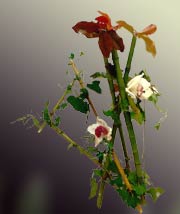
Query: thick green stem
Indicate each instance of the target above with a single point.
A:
(110, 81)
(119, 126)
(130, 56)
(125, 106)
(120, 81)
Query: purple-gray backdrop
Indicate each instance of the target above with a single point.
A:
(37, 173)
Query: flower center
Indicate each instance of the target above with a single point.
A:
(101, 131)
(140, 90)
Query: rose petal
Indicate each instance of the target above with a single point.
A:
(105, 43)
(150, 46)
(105, 20)
(91, 128)
(125, 25)
(89, 29)
(117, 41)
(148, 30)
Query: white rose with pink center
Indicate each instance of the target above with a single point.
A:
(100, 130)
(139, 87)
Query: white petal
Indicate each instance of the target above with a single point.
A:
(91, 128)
(134, 81)
(146, 94)
(133, 95)
(98, 140)
(101, 122)
(145, 84)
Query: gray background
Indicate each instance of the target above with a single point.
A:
(35, 41)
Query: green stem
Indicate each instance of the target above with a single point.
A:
(119, 126)
(110, 81)
(120, 81)
(105, 174)
(125, 106)
(130, 56)
(61, 99)
(126, 157)
(76, 145)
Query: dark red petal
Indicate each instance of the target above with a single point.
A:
(117, 41)
(89, 29)
(102, 19)
(101, 131)
(105, 43)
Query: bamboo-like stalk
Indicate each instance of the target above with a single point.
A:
(125, 106)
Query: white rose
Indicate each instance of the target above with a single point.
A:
(100, 130)
(139, 87)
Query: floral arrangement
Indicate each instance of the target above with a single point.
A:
(128, 93)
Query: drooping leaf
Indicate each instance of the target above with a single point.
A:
(153, 98)
(98, 75)
(137, 113)
(95, 86)
(78, 104)
(155, 192)
(94, 187)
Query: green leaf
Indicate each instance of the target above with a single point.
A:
(35, 121)
(155, 192)
(78, 104)
(132, 177)
(100, 156)
(117, 181)
(112, 167)
(137, 113)
(84, 93)
(94, 187)
(62, 106)
(92, 149)
(157, 125)
(129, 198)
(57, 121)
(98, 75)
(111, 113)
(154, 98)
(71, 56)
(81, 53)
(98, 172)
(46, 115)
(140, 189)
(95, 86)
